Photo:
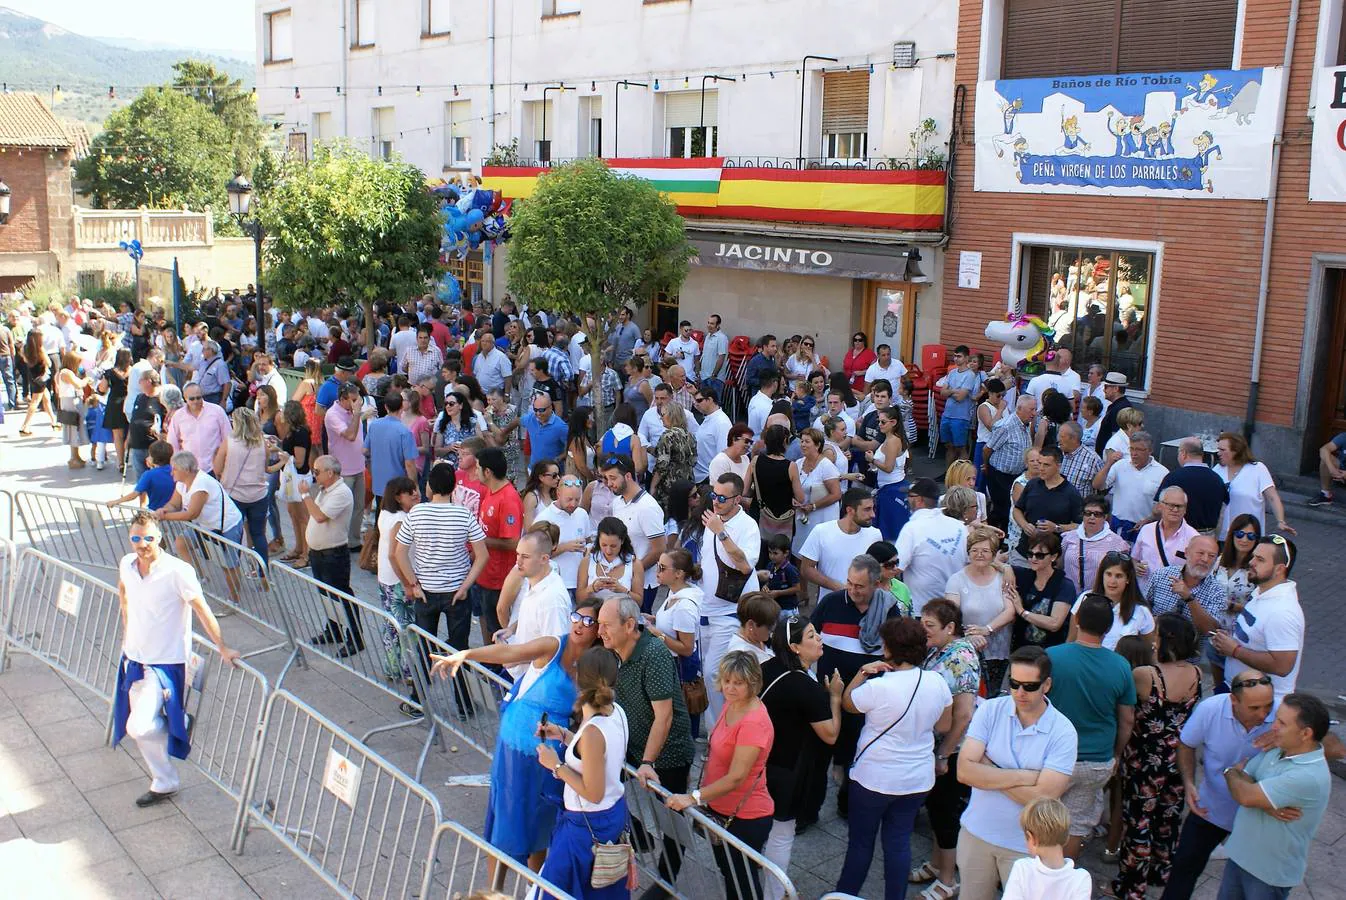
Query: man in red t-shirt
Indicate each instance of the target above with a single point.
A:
(439, 330)
(502, 519)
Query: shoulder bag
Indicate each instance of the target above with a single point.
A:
(768, 522)
(369, 551)
(729, 587)
(914, 691)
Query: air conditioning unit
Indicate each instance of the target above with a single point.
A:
(904, 54)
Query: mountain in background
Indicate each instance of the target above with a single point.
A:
(244, 56)
(37, 56)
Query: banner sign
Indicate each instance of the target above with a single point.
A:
(1163, 134)
(1327, 169)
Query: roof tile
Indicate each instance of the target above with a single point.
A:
(25, 121)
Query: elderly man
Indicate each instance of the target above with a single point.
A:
(264, 372)
(684, 394)
(201, 427)
(1223, 730)
(330, 508)
(1162, 543)
(575, 527)
(659, 738)
(1114, 393)
(490, 365)
(1206, 492)
(1189, 588)
(159, 594)
(1268, 634)
(1004, 457)
(345, 442)
(213, 374)
(1134, 481)
(1018, 748)
(1079, 464)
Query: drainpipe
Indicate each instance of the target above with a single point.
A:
(345, 54)
(1254, 384)
(489, 271)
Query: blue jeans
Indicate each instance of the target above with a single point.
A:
(273, 508)
(1237, 884)
(897, 814)
(254, 519)
(136, 460)
(7, 380)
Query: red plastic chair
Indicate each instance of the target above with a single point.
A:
(934, 358)
(700, 338)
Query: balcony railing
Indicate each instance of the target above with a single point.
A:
(931, 163)
(100, 229)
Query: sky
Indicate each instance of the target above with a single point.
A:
(216, 24)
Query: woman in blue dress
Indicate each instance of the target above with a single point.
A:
(516, 822)
(458, 422)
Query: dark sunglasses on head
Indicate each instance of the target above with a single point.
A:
(1031, 687)
(1239, 684)
(1117, 554)
(581, 619)
(1246, 535)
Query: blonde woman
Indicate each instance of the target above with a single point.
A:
(802, 363)
(241, 464)
(70, 389)
(296, 452)
(961, 473)
(982, 590)
(306, 395)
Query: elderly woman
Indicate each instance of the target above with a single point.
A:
(894, 767)
(980, 590)
(733, 782)
(146, 424)
(1083, 548)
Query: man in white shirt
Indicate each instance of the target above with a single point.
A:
(490, 366)
(404, 339)
(714, 352)
(543, 607)
(885, 367)
(1269, 634)
(575, 526)
(684, 347)
(1134, 482)
(827, 553)
(836, 407)
(640, 513)
(931, 546)
(730, 544)
(713, 434)
(759, 407)
(264, 372)
(159, 594)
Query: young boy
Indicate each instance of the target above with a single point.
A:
(780, 576)
(155, 487)
(1046, 874)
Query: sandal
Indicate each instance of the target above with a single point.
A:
(1110, 856)
(300, 562)
(938, 890)
(25, 433)
(923, 873)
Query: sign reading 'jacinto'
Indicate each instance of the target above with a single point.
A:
(818, 258)
(736, 252)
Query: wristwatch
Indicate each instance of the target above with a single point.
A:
(722, 536)
(696, 796)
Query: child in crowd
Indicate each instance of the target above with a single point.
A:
(904, 405)
(99, 436)
(155, 487)
(1046, 874)
(780, 575)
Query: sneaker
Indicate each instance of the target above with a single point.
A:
(1322, 500)
(98, 465)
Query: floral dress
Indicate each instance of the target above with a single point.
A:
(1152, 794)
(513, 449)
(674, 459)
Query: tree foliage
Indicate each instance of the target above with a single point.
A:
(163, 151)
(346, 224)
(226, 98)
(590, 241)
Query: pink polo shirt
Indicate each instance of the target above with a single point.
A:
(350, 453)
(202, 434)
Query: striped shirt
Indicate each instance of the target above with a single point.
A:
(1080, 467)
(837, 620)
(438, 535)
(1009, 440)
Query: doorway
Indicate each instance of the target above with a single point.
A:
(888, 316)
(1332, 419)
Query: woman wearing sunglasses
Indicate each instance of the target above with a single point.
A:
(524, 798)
(1042, 596)
(1232, 574)
(1083, 548)
(858, 360)
(802, 363)
(1117, 581)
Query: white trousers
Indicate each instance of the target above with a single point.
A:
(715, 638)
(148, 727)
(777, 849)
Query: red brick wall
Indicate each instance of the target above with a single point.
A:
(1212, 248)
(29, 221)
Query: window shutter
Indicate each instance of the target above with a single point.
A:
(1059, 37)
(845, 102)
(282, 36)
(683, 109)
(1163, 36)
(540, 109)
(460, 111)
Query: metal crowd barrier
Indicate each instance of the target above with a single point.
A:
(66, 618)
(311, 605)
(467, 705)
(225, 705)
(7, 515)
(474, 865)
(362, 825)
(80, 532)
(8, 560)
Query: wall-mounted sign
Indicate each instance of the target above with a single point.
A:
(1327, 172)
(833, 258)
(1160, 134)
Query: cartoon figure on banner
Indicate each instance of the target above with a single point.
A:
(1008, 111)
(1204, 93)
(1025, 343)
(1071, 142)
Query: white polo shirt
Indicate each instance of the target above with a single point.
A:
(158, 614)
(1134, 489)
(893, 372)
(575, 526)
(543, 609)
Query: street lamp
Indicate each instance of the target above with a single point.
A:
(240, 205)
(4, 202)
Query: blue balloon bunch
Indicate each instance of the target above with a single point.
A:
(133, 249)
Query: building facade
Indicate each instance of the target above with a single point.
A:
(36, 153)
(808, 160)
(1139, 178)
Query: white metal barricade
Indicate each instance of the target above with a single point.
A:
(80, 532)
(471, 864)
(6, 515)
(8, 560)
(66, 618)
(360, 823)
(225, 706)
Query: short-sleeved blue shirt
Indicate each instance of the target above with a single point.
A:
(1047, 744)
(157, 486)
(328, 393)
(1270, 850)
(544, 441)
(1223, 742)
(962, 381)
(391, 446)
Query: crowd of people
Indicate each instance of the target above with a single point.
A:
(1065, 641)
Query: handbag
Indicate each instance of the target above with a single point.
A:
(731, 582)
(69, 417)
(369, 551)
(696, 697)
(613, 860)
(768, 522)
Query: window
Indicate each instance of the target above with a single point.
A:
(560, 8)
(279, 37)
(1097, 300)
(1043, 38)
(846, 114)
(296, 145)
(362, 24)
(591, 126)
(470, 273)
(541, 122)
(435, 18)
(692, 133)
(458, 129)
(322, 127)
(384, 129)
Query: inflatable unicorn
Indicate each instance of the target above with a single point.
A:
(1025, 341)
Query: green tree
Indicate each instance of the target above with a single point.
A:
(226, 97)
(590, 241)
(346, 224)
(163, 151)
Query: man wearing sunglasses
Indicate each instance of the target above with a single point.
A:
(159, 594)
(713, 434)
(1018, 748)
(1269, 634)
(730, 546)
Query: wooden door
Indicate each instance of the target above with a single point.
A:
(898, 300)
(1334, 396)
